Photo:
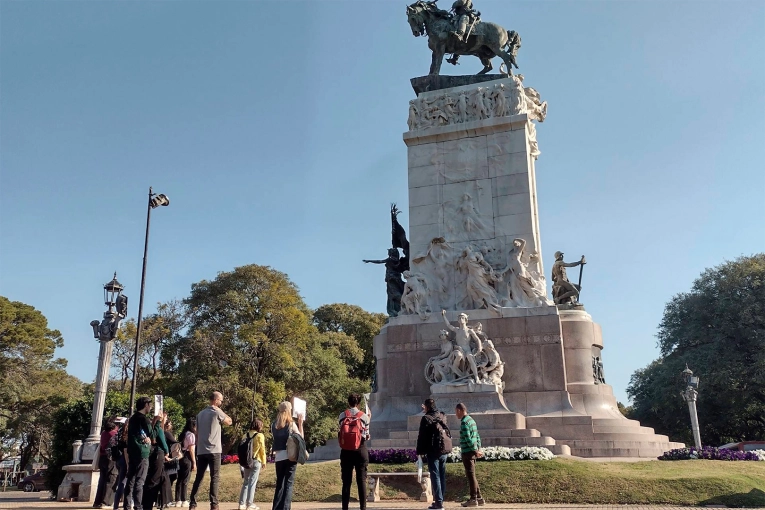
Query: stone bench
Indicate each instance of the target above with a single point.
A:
(373, 485)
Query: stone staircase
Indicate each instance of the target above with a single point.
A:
(501, 429)
(609, 437)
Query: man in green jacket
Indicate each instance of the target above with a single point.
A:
(470, 446)
(140, 436)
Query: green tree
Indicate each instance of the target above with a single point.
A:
(355, 322)
(717, 329)
(32, 383)
(71, 422)
(251, 336)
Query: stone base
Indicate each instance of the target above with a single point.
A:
(89, 449)
(439, 81)
(487, 402)
(330, 451)
(80, 483)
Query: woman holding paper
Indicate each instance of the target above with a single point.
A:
(281, 429)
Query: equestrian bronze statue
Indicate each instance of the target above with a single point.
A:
(462, 33)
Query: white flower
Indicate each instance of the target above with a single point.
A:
(760, 454)
(495, 453)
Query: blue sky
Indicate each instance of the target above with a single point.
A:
(275, 129)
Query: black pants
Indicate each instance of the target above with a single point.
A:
(154, 478)
(106, 481)
(204, 460)
(136, 476)
(184, 475)
(285, 480)
(357, 460)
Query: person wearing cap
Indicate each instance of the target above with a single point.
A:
(209, 447)
(106, 466)
(281, 429)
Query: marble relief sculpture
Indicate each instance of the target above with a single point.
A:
(480, 278)
(523, 289)
(469, 359)
(501, 100)
(415, 296)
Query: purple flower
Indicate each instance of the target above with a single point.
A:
(392, 456)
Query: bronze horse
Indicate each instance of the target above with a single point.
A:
(486, 40)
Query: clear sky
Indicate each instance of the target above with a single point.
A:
(275, 129)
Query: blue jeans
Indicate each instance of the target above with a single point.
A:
(285, 479)
(437, 469)
(249, 483)
(120, 486)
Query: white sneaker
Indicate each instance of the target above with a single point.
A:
(242, 507)
(185, 504)
(253, 507)
(178, 504)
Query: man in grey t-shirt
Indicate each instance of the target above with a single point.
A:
(209, 447)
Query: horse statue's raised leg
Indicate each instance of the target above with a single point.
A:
(486, 61)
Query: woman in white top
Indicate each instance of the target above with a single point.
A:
(281, 429)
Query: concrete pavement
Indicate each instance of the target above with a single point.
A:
(40, 501)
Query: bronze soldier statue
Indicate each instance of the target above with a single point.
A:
(564, 292)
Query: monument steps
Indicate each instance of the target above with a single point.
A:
(606, 429)
(629, 436)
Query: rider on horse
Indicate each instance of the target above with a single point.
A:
(463, 10)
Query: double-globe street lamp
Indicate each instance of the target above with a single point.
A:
(155, 200)
(690, 395)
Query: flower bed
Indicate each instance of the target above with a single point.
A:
(712, 453)
(495, 453)
(230, 459)
(392, 456)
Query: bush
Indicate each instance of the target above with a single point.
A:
(712, 453)
(392, 456)
(495, 453)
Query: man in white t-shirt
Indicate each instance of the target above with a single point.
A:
(209, 447)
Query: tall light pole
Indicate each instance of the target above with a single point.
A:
(689, 395)
(155, 201)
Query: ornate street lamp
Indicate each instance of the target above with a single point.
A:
(690, 395)
(105, 331)
(155, 200)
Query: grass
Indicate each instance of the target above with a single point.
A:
(689, 482)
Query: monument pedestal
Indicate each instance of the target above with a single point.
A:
(483, 398)
(80, 483)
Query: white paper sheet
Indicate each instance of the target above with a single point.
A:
(298, 407)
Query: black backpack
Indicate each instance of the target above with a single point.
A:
(442, 439)
(244, 452)
(113, 451)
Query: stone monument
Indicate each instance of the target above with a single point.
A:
(81, 480)
(530, 371)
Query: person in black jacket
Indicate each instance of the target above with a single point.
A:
(429, 445)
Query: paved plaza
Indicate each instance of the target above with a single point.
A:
(41, 500)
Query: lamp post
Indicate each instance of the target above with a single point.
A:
(155, 200)
(690, 395)
(105, 331)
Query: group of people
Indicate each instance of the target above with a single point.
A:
(140, 459)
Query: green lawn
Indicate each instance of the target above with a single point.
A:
(690, 482)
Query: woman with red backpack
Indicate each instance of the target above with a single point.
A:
(354, 432)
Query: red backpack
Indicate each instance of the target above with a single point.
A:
(349, 436)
